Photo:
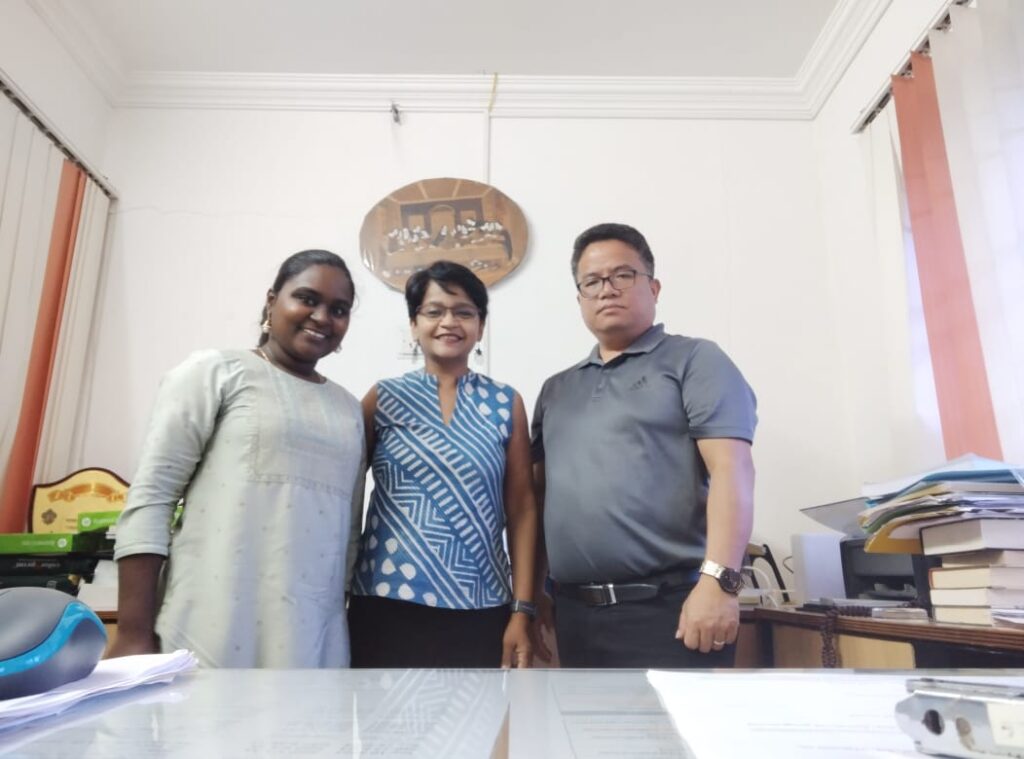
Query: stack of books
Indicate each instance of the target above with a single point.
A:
(981, 580)
(968, 488)
(50, 560)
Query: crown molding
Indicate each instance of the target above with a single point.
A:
(847, 29)
(85, 43)
(789, 98)
(515, 96)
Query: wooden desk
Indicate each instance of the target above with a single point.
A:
(789, 638)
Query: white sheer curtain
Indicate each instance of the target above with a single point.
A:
(979, 76)
(67, 402)
(910, 384)
(30, 170)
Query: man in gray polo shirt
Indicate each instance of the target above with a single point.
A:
(643, 466)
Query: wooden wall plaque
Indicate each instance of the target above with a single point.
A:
(450, 219)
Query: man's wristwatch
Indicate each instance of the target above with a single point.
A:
(730, 580)
(525, 607)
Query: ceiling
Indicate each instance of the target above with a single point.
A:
(642, 38)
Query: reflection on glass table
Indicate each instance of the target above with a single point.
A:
(474, 713)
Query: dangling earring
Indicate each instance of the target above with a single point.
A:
(338, 349)
(266, 325)
(479, 352)
(415, 349)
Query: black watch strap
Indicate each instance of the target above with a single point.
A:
(525, 607)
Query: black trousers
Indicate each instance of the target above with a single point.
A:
(629, 635)
(386, 633)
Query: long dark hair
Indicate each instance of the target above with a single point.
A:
(297, 263)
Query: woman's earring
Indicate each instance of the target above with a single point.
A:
(479, 352)
(415, 349)
(266, 326)
(338, 349)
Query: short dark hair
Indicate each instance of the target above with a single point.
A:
(446, 274)
(297, 263)
(611, 231)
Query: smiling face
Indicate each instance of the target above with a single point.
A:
(447, 325)
(309, 316)
(616, 317)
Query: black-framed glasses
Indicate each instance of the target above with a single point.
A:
(436, 313)
(623, 279)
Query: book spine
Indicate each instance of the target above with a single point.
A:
(46, 565)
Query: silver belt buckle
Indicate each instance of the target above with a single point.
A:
(610, 589)
(607, 588)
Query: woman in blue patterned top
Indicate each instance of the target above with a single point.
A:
(451, 464)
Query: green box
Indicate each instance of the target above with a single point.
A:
(97, 521)
(50, 542)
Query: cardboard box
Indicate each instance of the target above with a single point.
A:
(51, 542)
(97, 521)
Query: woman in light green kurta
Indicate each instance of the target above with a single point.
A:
(268, 455)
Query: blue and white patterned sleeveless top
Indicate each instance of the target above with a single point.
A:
(434, 527)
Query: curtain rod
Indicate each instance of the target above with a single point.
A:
(42, 127)
(941, 23)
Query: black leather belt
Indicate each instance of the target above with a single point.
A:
(641, 589)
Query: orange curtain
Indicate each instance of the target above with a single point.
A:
(961, 381)
(18, 479)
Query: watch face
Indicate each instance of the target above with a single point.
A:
(731, 580)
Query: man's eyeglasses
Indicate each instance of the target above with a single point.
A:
(623, 279)
(436, 313)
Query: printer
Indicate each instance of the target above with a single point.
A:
(884, 576)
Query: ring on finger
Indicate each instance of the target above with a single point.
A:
(718, 643)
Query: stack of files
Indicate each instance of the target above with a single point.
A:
(110, 676)
(981, 580)
(967, 488)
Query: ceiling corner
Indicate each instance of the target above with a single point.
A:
(847, 29)
(95, 55)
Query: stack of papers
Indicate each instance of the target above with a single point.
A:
(1008, 617)
(969, 487)
(797, 715)
(110, 676)
(967, 467)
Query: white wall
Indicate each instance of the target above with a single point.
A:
(47, 77)
(730, 211)
(213, 200)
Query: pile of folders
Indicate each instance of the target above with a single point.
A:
(969, 517)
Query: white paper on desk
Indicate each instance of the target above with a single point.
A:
(110, 675)
(799, 715)
(615, 714)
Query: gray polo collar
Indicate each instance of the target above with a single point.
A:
(647, 342)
